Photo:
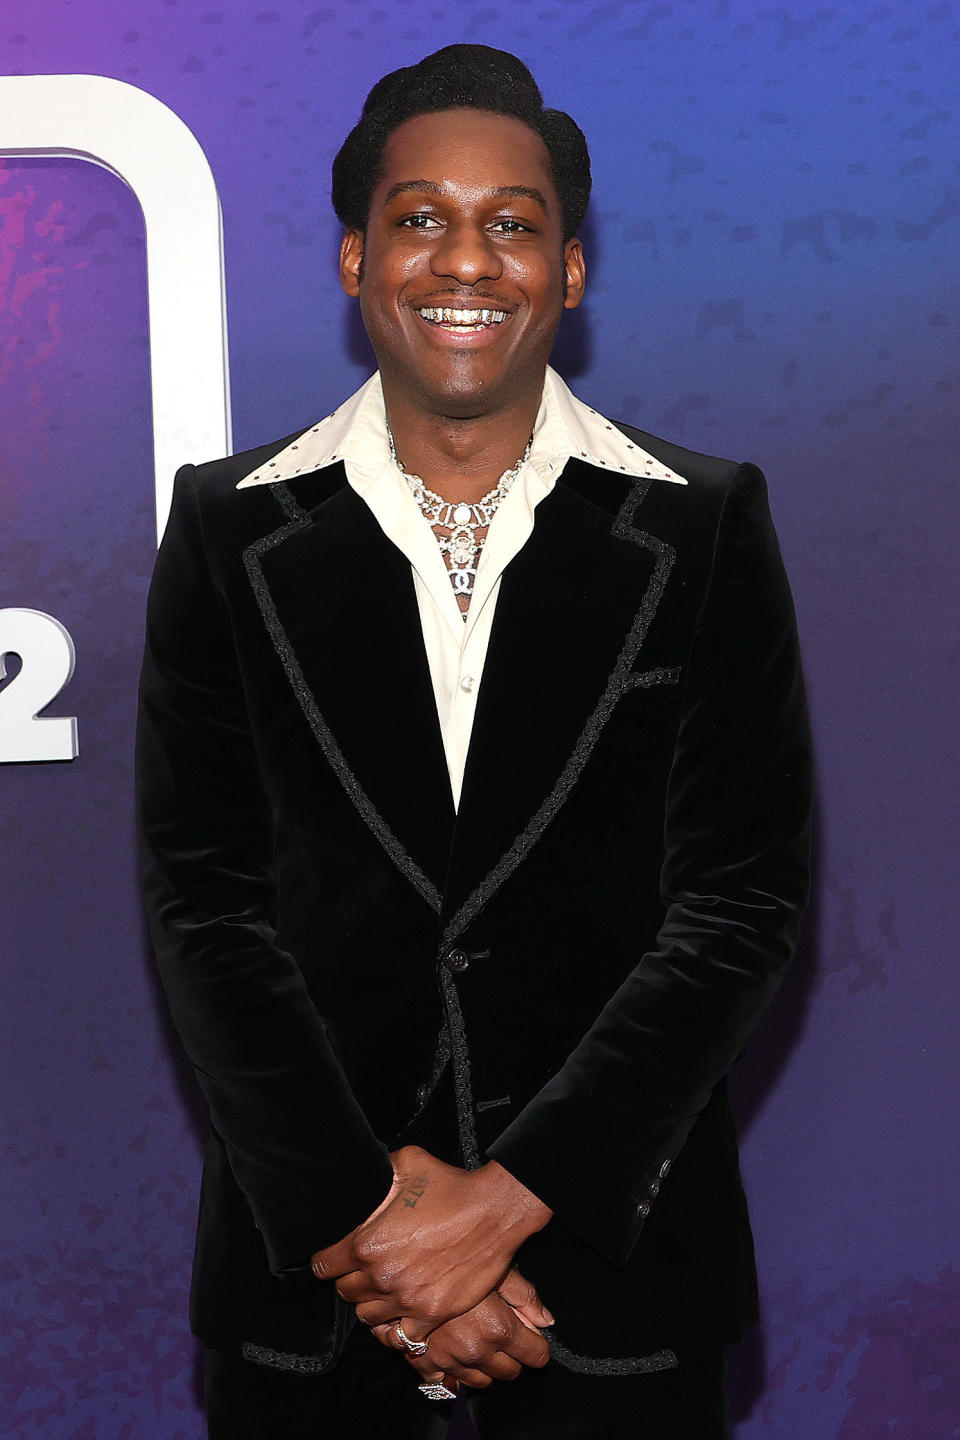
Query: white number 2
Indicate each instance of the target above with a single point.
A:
(47, 659)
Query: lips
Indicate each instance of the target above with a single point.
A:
(457, 320)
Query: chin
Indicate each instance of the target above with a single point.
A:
(463, 397)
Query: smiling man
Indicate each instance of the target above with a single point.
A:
(474, 793)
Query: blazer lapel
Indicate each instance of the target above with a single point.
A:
(572, 614)
(338, 599)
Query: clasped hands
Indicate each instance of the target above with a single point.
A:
(437, 1254)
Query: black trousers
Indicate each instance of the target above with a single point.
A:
(372, 1394)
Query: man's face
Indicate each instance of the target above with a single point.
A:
(465, 219)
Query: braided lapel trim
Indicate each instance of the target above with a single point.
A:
(252, 559)
(286, 1360)
(620, 683)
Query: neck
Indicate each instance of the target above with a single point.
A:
(460, 458)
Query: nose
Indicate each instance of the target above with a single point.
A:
(467, 254)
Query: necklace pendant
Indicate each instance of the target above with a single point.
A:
(462, 549)
(462, 519)
(462, 581)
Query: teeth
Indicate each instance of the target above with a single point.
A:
(448, 316)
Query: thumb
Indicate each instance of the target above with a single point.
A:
(518, 1292)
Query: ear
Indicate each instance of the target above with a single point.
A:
(351, 261)
(575, 270)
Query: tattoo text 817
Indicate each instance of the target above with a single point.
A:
(413, 1190)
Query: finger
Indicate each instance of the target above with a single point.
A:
(506, 1368)
(525, 1319)
(524, 1344)
(395, 1341)
(334, 1260)
(355, 1288)
(517, 1337)
(382, 1312)
(474, 1378)
(489, 1339)
(437, 1377)
(517, 1290)
(492, 1364)
(534, 1351)
(430, 1371)
(388, 1337)
(527, 1346)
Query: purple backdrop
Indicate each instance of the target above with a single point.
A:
(771, 245)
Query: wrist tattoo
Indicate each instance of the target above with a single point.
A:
(413, 1190)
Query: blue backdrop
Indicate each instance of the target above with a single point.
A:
(772, 252)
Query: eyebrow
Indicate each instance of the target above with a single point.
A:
(501, 192)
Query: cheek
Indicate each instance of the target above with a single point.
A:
(547, 304)
(544, 285)
(383, 299)
(379, 302)
(397, 265)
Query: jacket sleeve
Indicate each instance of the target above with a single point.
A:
(596, 1141)
(299, 1145)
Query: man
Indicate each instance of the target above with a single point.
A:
(474, 791)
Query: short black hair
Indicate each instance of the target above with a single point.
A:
(472, 77)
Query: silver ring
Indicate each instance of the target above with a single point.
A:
(416, 1347)
(436, 1391)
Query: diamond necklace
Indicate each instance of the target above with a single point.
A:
(462, 520)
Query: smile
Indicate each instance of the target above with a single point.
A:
(459, 321)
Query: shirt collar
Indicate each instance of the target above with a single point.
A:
(565, 428)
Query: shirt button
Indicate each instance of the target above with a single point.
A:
(467, 684)
(457, 961)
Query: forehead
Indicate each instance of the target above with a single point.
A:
(469, 150)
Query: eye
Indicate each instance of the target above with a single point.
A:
(509, 226)
(419, 222)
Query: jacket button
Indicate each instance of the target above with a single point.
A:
(457, 961)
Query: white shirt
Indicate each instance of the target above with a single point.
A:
(356, 433)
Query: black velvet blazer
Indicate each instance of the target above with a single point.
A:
(569, 966)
